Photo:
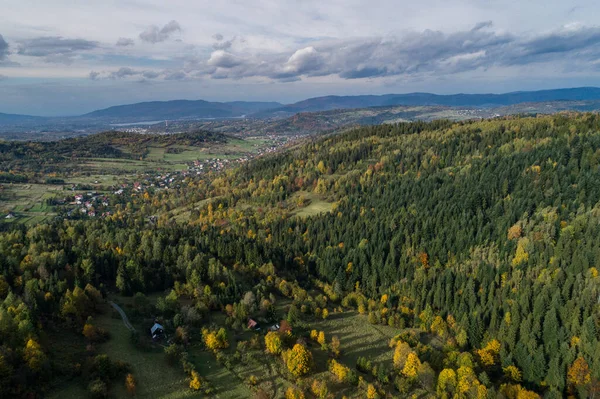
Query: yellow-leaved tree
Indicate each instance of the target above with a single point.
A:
(321, 338)
(195, 383)
(273, 342)
(446, 385)
(298, 360)
(400, 354)
(411, 366)
(319, 389)
(294, 393)
(372, 392)
(33, 355)
(513, 373)
(339, 370)
(490, 353)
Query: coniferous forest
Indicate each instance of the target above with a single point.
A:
(479, 242)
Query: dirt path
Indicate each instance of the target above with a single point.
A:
(123, 316)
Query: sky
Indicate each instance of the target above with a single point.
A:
(68, 57)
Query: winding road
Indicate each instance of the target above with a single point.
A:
(123, 316)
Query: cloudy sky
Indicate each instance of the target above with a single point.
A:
(65, 57)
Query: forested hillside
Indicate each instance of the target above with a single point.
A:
(478, 242)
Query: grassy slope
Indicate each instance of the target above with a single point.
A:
(316, 205)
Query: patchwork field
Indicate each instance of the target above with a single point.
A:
(27, 202)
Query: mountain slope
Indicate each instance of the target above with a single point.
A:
(181, 109)
(15, 118)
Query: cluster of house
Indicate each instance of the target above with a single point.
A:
(89, 204)
(283, 326)
(205, 165)
(157, 331)
(92, 203)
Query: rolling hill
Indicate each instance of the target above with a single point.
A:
(181, 109)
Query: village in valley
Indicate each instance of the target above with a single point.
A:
(95, 190)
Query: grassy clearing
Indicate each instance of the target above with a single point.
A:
(358, 337)
(228, 384)
(155, 379)
(184, 213)
(315, 205)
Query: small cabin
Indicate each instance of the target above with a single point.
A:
(157, 331)
(253, 325)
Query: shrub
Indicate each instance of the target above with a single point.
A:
(98, 389)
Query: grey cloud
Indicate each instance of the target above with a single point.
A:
(218, 37)
(124, 72)
(565, 41)
(415, 55)
(125, 41)
(175, 75)
(154, 34)
(483, 25)
(3, 77)
(223, 45)
(55, 48)
(3, 48)
(150, 74)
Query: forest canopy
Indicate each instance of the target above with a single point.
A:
(485, 234)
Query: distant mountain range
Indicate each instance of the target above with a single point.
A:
(14, 118)
(182, 109)
(415, 99)
(583, 98)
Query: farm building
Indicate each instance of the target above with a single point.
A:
(253, 325)
(156, 331)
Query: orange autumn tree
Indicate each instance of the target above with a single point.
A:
(130, 384)
(579, 373)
